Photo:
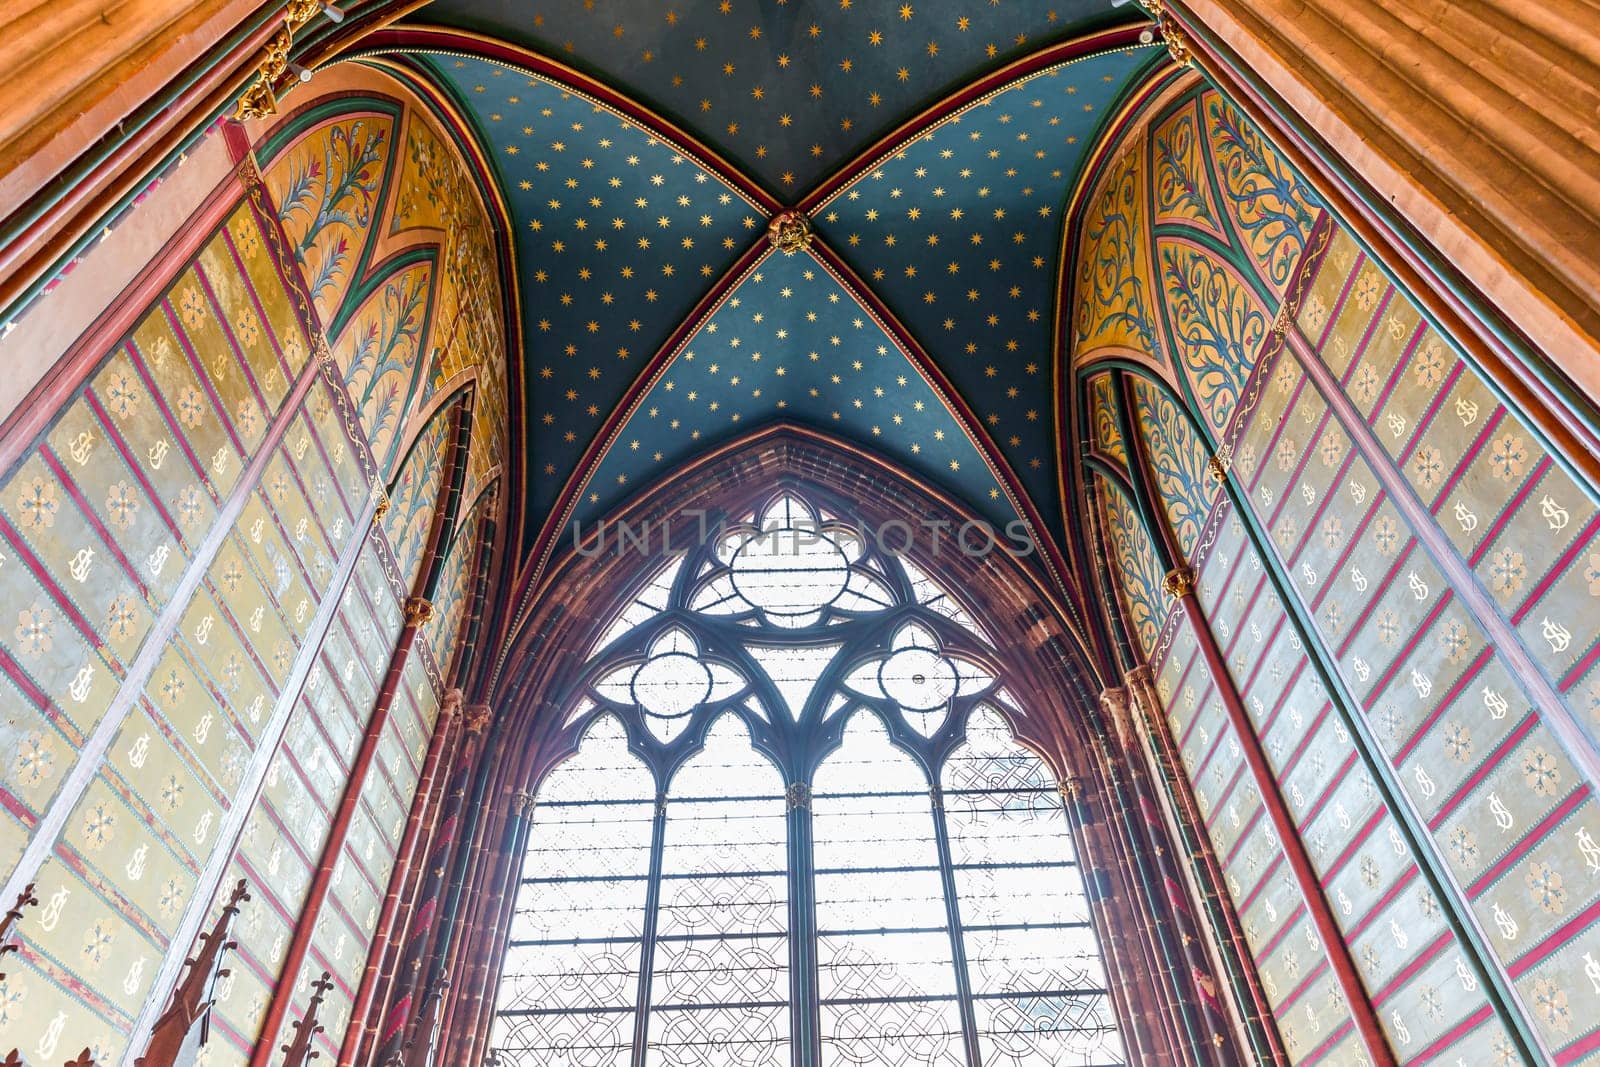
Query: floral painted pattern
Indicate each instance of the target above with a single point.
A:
(1270, 207)
(1136, 566)
(35, 757)
(1113, 295)
(410, 514)
(1218, 327)
(378, 354)
(1103, 418)
(122, 505)
(36, 500)
(1182, 186)
(34, 632)
(1178, 460)
(327, 190)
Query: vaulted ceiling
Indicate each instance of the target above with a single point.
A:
(642, 149)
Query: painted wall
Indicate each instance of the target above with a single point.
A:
(202, 600)
(1406, 598)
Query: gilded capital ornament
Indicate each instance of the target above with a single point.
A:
(299, 12)
(1071, 788)
(789, 232)
(261, 99)
(257, 102)
(418, 611)
(1178, 583)
(275, 54)
(1177, 43)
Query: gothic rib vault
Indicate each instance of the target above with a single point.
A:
(945, 146)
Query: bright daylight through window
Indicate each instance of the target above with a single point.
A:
(798, 829)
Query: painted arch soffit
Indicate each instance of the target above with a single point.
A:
(618, 234)
(1188, 236)
(395, 238)
(790, 342)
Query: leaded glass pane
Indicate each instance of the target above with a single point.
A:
(794, 670)
(571, 973)
(720, 978)
(1033, 963)
(651, 601)
(886, 980)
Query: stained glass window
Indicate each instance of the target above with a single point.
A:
(797, 829)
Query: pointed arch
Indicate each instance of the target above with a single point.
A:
(548, 692)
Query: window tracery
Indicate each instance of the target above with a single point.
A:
(798, 828)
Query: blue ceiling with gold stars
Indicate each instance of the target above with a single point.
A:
(618, 236)
(787, 90)
(659, 322)
(790, 342)
(959, 232)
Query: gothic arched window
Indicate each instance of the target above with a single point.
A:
(797, 828)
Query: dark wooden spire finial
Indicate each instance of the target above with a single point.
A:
(298, 1052)
(25, 899)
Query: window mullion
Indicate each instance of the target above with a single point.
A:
(952, 908)
(647, 938)
(805, 1011)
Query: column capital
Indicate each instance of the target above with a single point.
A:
(1179, 582)
(477, 717)
(1117, 705)
(1176, 41)
(1138, 677)
(452, 701)
(525, 801)
(418, 610)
